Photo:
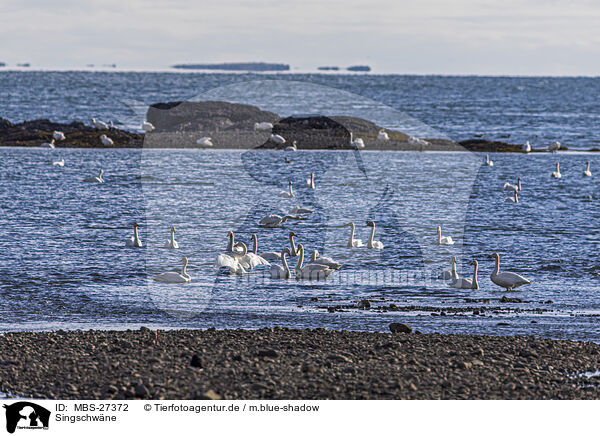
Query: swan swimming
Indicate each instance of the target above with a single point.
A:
(293, 147)
(587, 172)
(49, 144)
(371, 243)
(171, 242)
(556, 174)
(60, 163)
(526, 147)
(488, 162)
(289, 193)
(135, 240)
(312, 271)
(205, 141)
(383, 136)
(231, 259)
(353, 243)
(513, 199)
(175, 277)
(451, 274)
(273, 255)
(273, 221)
(554, 147)
(467, 283)
(106, 141)
(263, 126)
(59, 136)
(509, 187)
(278, 139)
(299, 210)
(311, 181)
(99, 124)
(251, 260)
(356, 143)
(147, 127)
(327, 261)
(97, 179)
(281, 272)
(443, 240)
(507, 280)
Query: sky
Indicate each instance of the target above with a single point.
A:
(510, 37)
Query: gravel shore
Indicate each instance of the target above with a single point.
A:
(282, 363)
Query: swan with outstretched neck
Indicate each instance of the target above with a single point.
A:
(463, 283)
(175, 277)
(356, 143)
(311, 182)
(353, 243)
(451, 274)
(273, 221)
(97, 179)
(556, 174)
(281, 272)
(510, 187)
(232, 260)
(488, 162)
(251, 260)
(443, 240)
(371, 243)
(171, 242)
(506, 279)
(273, 255)
(135, 240)
(513, 199)
(587, 172)
(312, 271)
(289, 193)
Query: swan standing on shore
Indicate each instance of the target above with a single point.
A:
(554, 147)
(443, 240)
(452, 274)
(97, 179)
(383, 136)
(99, 124)
(527, 147)
(353, 243)
(417, 141)
(106, 141)
(205, 141)
(60, 163)
(289, 193)
(507, 280)
(488, 162)
(49, 144)
(263, 126)
(356, 143)
(273, 221)
(587, 172)
(147, 127)
(311, 181)
(327, 261)
(556, 174)
(312, 271)
(135, 240)
(59, 136)
(281, 272)
(175, 277)
(509, 187)
(371, 243)
(293, 147)
(278, 139)
(171, 242)
(467, 283)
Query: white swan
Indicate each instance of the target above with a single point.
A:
(251, 260)
(272, 221)
(281, 272)
(59, 136)
(263, 126)
(327, 261)
(509, 187)
(417, 141)
(312, 271)
(293, 147)
(451, 274)
(175, 277)
(507, 280)
(488, 162)
(371, 243)
(556, 174)
(135, 240)
(587, 172)
(99, 124)
(513, 199)
(526, 147)
(98, 179)
(299, 210)
(467, 283)
(147, 127)
(289, 193)
(554, 147)
(60, 163)
(311, 181)
(356, 143)
(106, 141)
(205, 141)
(277, 138)
(383, 136)
(273, 255)
(353, 243)
(443, 240)
(231, 260)
(171, 242)
(49, 144)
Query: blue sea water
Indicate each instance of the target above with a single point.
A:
(64, 263)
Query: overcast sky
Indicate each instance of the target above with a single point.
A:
(531, 37)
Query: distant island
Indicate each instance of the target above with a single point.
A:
(2, 64)
(25, 65)
(359, 68)
(235, 66)
(328, 68)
